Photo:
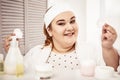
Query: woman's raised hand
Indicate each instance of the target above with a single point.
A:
(109, 36)
(7, 41)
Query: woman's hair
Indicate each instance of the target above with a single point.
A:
(48, 39)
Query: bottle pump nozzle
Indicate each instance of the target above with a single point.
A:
(18, 33)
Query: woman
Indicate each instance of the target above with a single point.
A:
(61, 48)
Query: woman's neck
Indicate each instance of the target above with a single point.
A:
(63, 50)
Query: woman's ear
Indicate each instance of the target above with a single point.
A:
(49, 32)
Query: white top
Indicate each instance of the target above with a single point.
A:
(40, 54)
(66, 61)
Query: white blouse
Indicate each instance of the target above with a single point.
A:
(64, 61)
(69, 61)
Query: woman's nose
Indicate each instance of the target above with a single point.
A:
(69, 26)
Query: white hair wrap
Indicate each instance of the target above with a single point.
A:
(54, 10)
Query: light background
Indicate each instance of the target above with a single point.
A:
(92, 14)
(28, 16)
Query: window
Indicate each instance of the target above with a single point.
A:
(26, 15)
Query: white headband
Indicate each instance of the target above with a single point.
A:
(54, 11)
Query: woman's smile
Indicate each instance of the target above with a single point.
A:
(69, 34)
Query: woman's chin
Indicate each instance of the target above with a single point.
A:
(68, 42)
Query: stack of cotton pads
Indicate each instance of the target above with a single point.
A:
(44, 71)
(104, 72)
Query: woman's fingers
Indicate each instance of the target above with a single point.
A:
(7, 41)
(108, 28)
(109, 35)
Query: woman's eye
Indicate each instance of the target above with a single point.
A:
(61, 24)
(72, 22)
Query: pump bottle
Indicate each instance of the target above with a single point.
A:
(14, 60)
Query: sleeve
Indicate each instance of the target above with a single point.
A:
(119, 56)
(28, 59)
(118, 52)
(118, 69)
(31, 58)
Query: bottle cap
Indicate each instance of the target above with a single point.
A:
(18, 33)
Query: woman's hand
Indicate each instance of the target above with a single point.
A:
(110, 54)
(7, 42)
(109, 36)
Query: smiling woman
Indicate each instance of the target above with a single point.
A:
(61, 49)
(64, 31)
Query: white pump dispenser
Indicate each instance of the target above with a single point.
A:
(14, 59)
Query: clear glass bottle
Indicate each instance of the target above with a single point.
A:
(1, 64)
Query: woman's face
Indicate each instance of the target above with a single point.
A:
(64, 29)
